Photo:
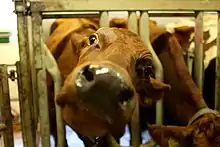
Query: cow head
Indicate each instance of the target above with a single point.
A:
(99, 95)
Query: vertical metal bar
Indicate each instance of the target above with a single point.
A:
(104, 19)
(199, 53)
(135, 127)
(25, 86)
(6, 107)
(41, 79)
(33, 70)
(145, 35)
(217, 80)
(54, 71)
(132, 22)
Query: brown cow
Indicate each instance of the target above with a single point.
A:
(104, 71)
(185, 99)
(183, 102)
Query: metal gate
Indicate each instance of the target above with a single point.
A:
(35, 58)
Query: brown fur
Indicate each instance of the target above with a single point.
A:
(184, 99)
(67, 40)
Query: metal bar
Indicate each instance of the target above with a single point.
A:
(33, 71)
(54, 71)
(41, 80)
(70, 15)
(6, 107)
(90, 14)
(217, 80)
(132, 22)
(173, 14)
(145, 33)
(104, 19)
(135, 127)
(199, 53)
(124, 5)
(24, 84)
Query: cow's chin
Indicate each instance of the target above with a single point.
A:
(88, 123)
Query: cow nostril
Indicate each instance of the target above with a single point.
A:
(88, 74)
(126, 95)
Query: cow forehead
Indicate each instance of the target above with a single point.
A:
(108, 33)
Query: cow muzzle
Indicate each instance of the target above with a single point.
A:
(103, 89)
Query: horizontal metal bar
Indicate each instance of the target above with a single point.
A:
(172, 14)
(46, 15)
(49, 15)
(104, 5)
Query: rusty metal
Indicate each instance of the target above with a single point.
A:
(39, 54)
(25, 85)
(217, 84)
(6, 107)
(104, 19)
(199, 52)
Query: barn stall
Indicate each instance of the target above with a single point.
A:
(31, 12)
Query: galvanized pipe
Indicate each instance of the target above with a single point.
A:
(132, 22)
(199, 53)
(33, 70)
(145, 35)
(104, 19)
(217, 84)
(24, 85)
(6, 115)
(41, 79)
(135, 124)
(54, 71)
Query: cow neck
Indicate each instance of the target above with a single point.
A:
(195, 97)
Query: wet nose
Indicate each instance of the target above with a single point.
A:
(103, 88)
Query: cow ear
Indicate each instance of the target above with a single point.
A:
(155, 90)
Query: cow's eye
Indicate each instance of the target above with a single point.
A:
(92, 39)
(144, 67)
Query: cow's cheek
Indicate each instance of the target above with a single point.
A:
(84, 122)
(130, 107)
